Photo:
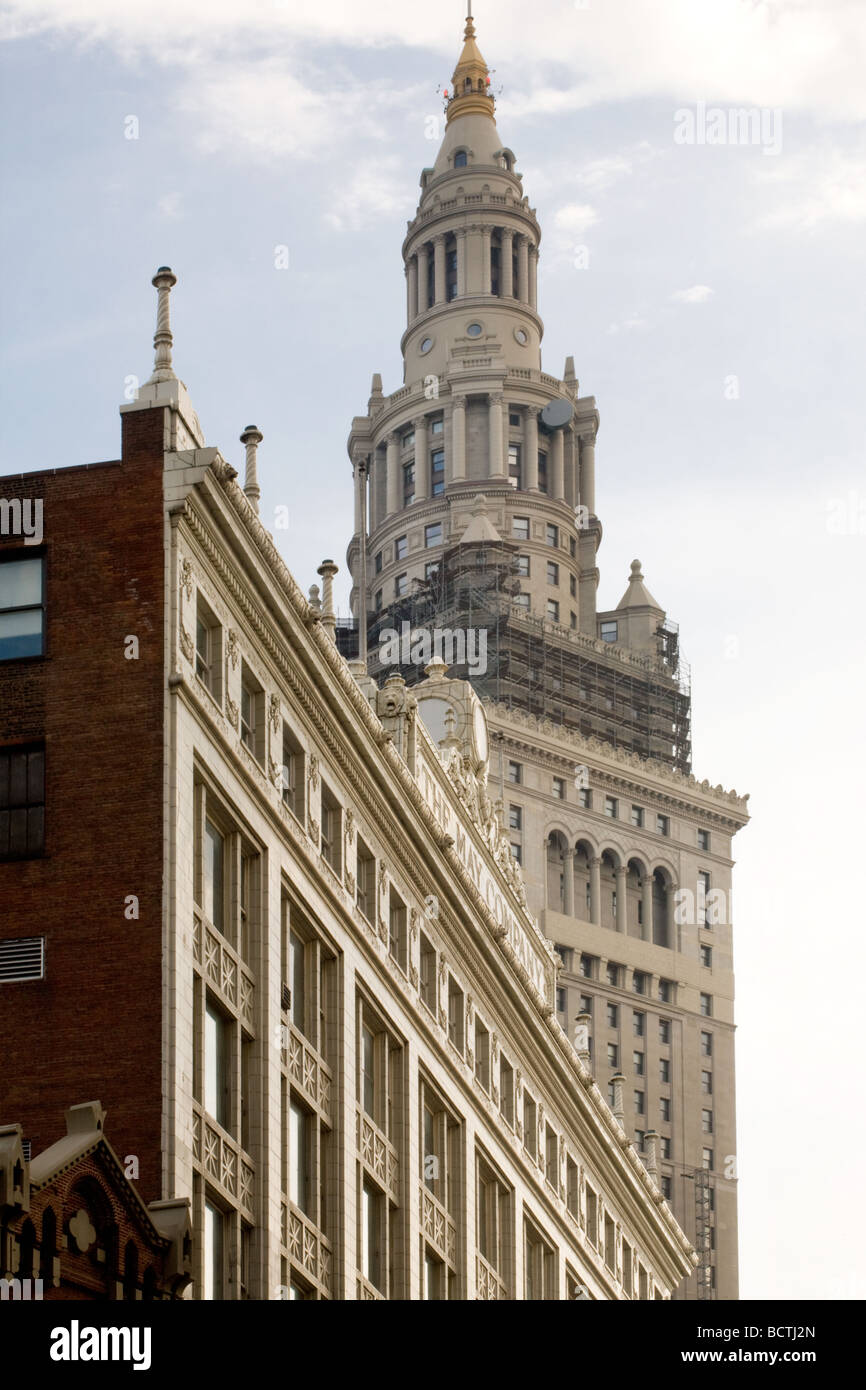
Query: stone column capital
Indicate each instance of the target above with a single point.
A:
(392, 438)
(485, 230)
(458, 401)
(439, 239)
(419, 422)
(532, 411)
(496, 397)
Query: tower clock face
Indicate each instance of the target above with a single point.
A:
(480, 736)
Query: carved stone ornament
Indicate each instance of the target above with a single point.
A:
(274, 712)
(314, 830)
(350, 827)
(413, 925)
(314, 772)
(413, 975)
(232, 712)
(276, 773)
(232, 648)
(350, 883)
(443, 1019)
(186, 645)
(186, 574)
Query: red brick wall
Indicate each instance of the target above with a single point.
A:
(91, 1030)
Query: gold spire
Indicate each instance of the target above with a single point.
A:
(470, 91)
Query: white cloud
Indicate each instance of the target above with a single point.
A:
(630, 325)
(697, 294)
(820, 185)
(374, 191)
(169, 205)
(573, 220)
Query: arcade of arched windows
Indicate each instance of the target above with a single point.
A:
(609, 888)
(437, 269)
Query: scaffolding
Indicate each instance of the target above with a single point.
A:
(634, 702)
(703, 1234)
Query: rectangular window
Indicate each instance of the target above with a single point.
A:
(401, 585)
(572, 586)
(515, 774)
(407, 440)
(608, 632)
(637, 1059)
(664, 1146)
(427, 974)
(551, 1157)
(707, 1121)
(377, 563)
(522, 566)
(298, 981)
(515, 818)
(216, 1065)
(707, 957)
(208, 648)
(572, 1186)
(637, 816)
(609, 1242)
(520, 600)
(21, 606)
(371, 1234)
(433, 535)
(300, 1134)
(213, 1252)
(552, 572)
(437, 472)
(520, 528)
(332, 830)
(663, 825)
(366, 881)
(437, 426)
(613, 973)
(22, 801)
(397, 930)
(542, 472)
(665, 1109)
(455, 1014)
(704, 917)
(707, 1005)
(560, 1000)
(707, 1159)
(666, 991)
(707, 1083)
(639, 981)
(22, 958)
(213, 876)
(517, 851)
(539, 1266)
(664, 1031)
(293, 774)
(552, 534)
(664, 1071)
(252, 714)
(591, 1216)
(431, 568)
(506, 1090)
(666, 1187)
(378, 601)
(639, 1103)
(559, 788)
(706, 1044)
(639, 1137)
(586, 967)
(408, 483)
(530, 1122)
(703, 839)
(626, 1270)
(610, 807)
(586, 1003)
(639, 1024)
(553, 610)
(482, 1055)
(515, 475)
(401, 547)
(368, 1073)
(612, 1016)
(584, 798)
(612, 1055)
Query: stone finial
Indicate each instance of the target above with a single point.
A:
(252, 438)
(327, 569)
(581, 1038)
(651, 1145)
(435, 669)
(163, 281)
(568, 375)
(314, 601)
(618, 1081)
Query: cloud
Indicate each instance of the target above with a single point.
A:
(697, 294)
(169, 205)
(375, 191)
(820, 185)
(573, 220)
(630, 325)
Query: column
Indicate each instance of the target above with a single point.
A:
(359, 483)
(523, 268)
(392, 467)
(557, 479)
(568, 879)
(646, 897)
(621, 899)
(412, 287)
(422, 459)
(530, 448)
(595, 890)
(587, 472)
(423, 261)
(455, 467)
(460, 236)
(485, 260)
(439, 269)
(495, 466)
(506, 269)
(533, 276)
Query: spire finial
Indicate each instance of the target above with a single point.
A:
(252, 438)
(470, 26)
(162, 339)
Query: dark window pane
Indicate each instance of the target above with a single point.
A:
(18, 779)
(18, 832)
(36, 777)
(35, 829)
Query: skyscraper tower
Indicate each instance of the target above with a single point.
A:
(475, 511)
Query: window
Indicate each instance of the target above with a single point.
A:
(609, 1242)
(21, 606)
(665, 1109)
(664, 1071)
(431, 568)
(522, 566)
(560, 1000)
(427, 974)
(637, 816)
(639, 982)
(506, 1089)
(572, 620)
(515, 774)
(433, 535)
(664, 1145)
(704, 917)
(401, 548)
(551, 1157)
(371, 1234)
(551, 534)
(664, 1031)
(610, 807)
(515, 818)
(332, 830)
(552, 572)
(707, 957)
(401, 585)
(662, 825)
(572, 586)
(539, 1266)
(707, 1083)
(707, 1158)
(639, 1103)
(542, 472)
(520, 600)
(366, 882)
(515, 474)
(293, 774)
(584, 798)
(408, 438)
(706, 1044)
(666, 991)
(215, 1096)
(553, 610)
(213, 876)
(608, 632)
(493, 1212)
(707, 1005)
(213, 1252)
(377, 601)
(520, 528)
(559, 788)
(565, 954)
(455, 1014)
(586, 967)
(397, 930)
(300, 1134)
(377, 563)
(530, 1123)
(586, 1003)
(208, 648)
(638, 1024)
(572, 547)
(612, 1016)
(591, 1216)
(22, 801)
(22, 958)
(437, 472)
(613, 973)
(707, 1121)
(626, 1270)
(408, 483)
(572, 1187)
(637, 1059)
(461, 159)
(482, 1055)
(437, 426)
(252, 714)
(612, 1055)
(639, 1137)
(666, 1187)
(703, 839)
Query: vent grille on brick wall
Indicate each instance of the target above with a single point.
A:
(22, 959)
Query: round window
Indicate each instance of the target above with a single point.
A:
(474, 330)
(426, 345)
(521, 335)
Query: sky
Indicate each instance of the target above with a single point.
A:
(711, 293)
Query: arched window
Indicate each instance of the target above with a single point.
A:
(461, 159)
